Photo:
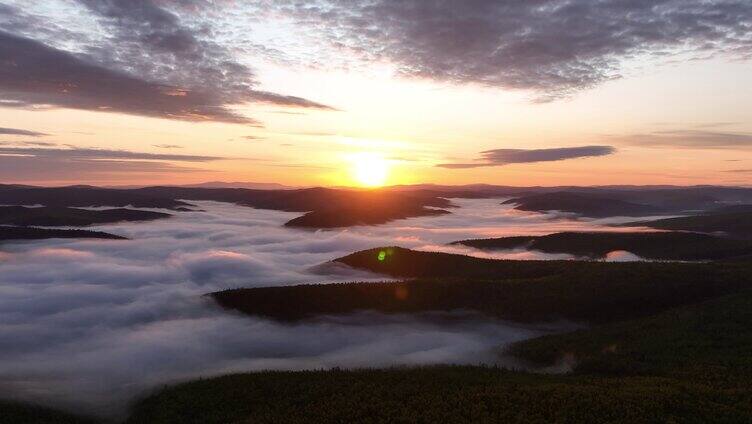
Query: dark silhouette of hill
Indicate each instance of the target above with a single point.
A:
(31, 233)
(405, 263)
(742, 208)
(339, 207)
(599, 202)
(59, 216)
(583, 204)
(12, 412)
(529, 291)
(710, 337)
(443, 394)
(326, 208)
(346, 216)
(300, 200)
(670, 198)
(734, 224)
(650, 245)
(78, 196)
(685, 364)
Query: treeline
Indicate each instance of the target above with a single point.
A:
(528, 291)
(684, 246)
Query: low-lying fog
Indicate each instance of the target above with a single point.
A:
(93, 323)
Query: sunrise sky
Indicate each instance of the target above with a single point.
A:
(372, 92)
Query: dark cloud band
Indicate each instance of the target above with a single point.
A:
(688, 139)
(57, 164)
(555, 47)
(16, 131)
(499, 157)
(150, 64)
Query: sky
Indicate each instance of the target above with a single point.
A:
(375, 92)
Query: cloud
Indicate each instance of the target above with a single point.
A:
(15, 131)
(554, 47)
(28, 143)
(312, 133)
(34, 75)
(150, 64)
(622, 256)
(46, 169)
(717, 124)
(153, 39)
(499, 157)
(252, 137)
(142, 23)
(92, 324)
(286, 112)
(76, 164)
(168, 146)
(689, 139)
(84, 153)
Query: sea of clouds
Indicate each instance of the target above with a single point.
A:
(93, 324)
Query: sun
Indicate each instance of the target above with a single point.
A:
(369, 169)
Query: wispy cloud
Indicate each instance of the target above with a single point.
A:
(717, 124)
(16, 131)
(77, 164)
(28, 143)
(690, 139)
(84, 153)
(499, 157)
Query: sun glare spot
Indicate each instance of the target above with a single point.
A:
(369, 169)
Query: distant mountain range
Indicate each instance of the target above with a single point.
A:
(343, 207)
(223, 184)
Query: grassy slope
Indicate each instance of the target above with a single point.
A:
(440, 394)
(649, 245)
(21, 413)
(691, 364)
(710, 341)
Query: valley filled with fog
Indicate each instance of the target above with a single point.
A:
(94, 323)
